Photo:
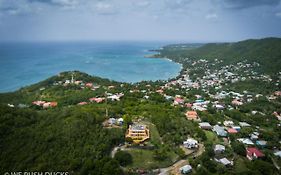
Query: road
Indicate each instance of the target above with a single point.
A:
(174, 169)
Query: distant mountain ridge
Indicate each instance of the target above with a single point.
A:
(265, 51)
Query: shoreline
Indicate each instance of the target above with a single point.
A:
(153, 81)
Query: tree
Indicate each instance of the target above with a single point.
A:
(112, 168)
(127, 121)
(123, 158)
(238, 148)
(160, 154)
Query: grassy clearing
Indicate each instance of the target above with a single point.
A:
(154, 134)
(144, 159)
(213, 138)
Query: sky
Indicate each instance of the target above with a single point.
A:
(155, 20)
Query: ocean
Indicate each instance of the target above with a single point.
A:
(22, 64)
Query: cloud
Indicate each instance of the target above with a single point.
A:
(142, 4)
(278, 14)
(58, 2)
(15, 7)
(211, 16)
(177, 4)
(243, 4)
(104, 8)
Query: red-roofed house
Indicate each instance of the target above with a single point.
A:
(232, 131)
(236, 102)
(89, 85)
(178, 101)
(53, 104)
(82, 103)
(97, 100)
(160, 91)
(277, 93)
(38, 103)
(188, 105)
(254, 153)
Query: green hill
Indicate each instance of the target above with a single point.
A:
(266, 51)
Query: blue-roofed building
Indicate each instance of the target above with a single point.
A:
(220, 131)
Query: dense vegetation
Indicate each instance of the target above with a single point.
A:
(72, 137)
(266, 51)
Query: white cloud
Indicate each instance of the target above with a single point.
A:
(104, 8)
(211, 16)
(278, 14)
(141, 3)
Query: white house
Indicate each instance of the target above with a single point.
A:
(186, 169)
(190, 143)
(219, 149)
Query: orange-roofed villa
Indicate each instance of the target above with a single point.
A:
(138, 133)
(192, 115)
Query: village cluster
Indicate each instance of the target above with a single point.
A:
(211, 78)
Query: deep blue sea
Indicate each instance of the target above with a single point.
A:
(23, 64)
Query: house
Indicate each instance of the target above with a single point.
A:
(188, 105)
(199, 108)
(237, 128)
(205, 125)
(115, 97)
(191, 115)
(228, 123)
(53, 104)
(97, 100)
(278, 154)
(278, 116)
(186, 169)
(254, 153)
(11, 105)
(111, 121)
(219, 107)
(190, 143)
(138, 133)
(120, 121)
(261, 143)
(22, 105)
(244, 124)
(236, 102)
(160, 91)
(50, 104)
(220, 131)
(178, 101)
(219, 149)
(277, 93)
(82, 103)
(89, 85)
(232, 131)
(246, 141)
(146, 97)
(38, 103)
(254, 136)
(225, 161)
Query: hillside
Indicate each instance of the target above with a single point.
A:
(266, 51)
(70, 122)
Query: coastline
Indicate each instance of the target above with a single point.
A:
(157, 56)
(169, 75)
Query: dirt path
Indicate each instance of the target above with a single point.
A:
(174, 169)
(116, 148)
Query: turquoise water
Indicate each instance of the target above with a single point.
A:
(23, 64)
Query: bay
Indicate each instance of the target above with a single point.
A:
(22, 64)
